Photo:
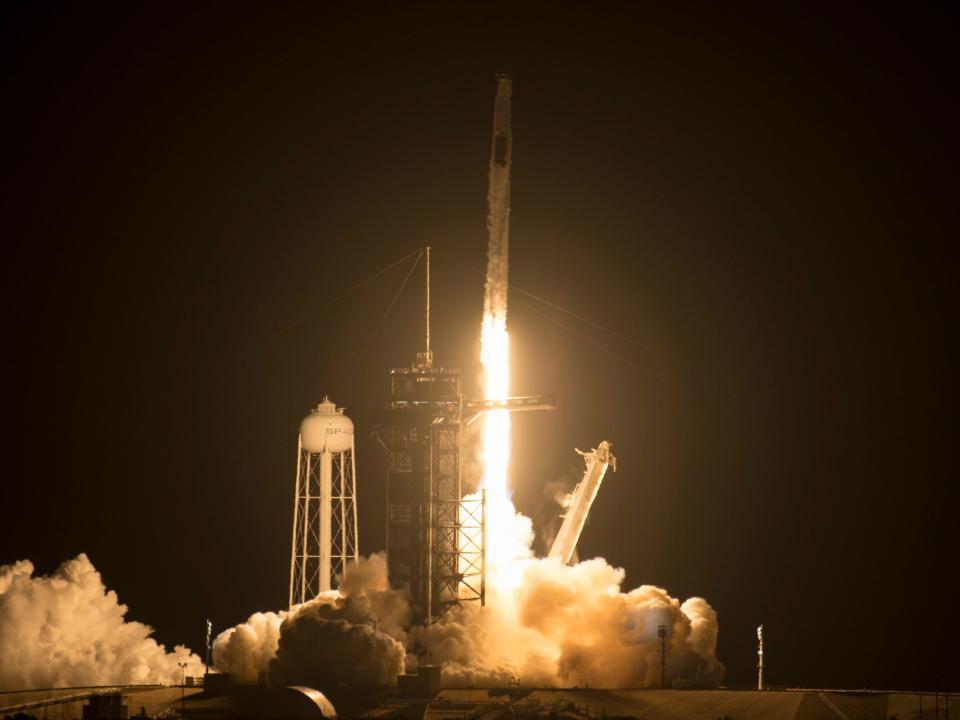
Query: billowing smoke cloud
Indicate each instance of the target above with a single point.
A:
(572, 625)
(246, 650)
(553, 626)
(319, 651)
(67, 630)
(545, 624)
(350, 637)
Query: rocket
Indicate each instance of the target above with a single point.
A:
(498, 205)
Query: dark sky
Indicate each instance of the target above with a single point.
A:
(761, 202)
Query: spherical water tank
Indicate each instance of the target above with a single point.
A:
(326, 428)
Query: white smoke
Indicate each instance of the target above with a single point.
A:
(68, 630)
(565, 626)
(546, 625)
(319, 649)
(555, 626)
(246, 650)
(352, 636)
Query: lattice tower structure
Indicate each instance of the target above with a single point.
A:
(434, 537)
(325, 535)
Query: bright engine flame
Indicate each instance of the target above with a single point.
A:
(495, 455)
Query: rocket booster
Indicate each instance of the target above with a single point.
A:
(498, 204)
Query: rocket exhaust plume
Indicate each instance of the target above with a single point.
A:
(494, 341)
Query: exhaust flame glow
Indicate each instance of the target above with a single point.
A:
(495, 452)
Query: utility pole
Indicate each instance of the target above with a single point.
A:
(662, 634)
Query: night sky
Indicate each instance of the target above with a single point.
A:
(759, 205)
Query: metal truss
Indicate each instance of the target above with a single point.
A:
(459, 553)
(325, 529)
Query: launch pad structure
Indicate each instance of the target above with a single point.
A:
(436, 538)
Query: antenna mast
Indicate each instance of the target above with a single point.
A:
(425, 359)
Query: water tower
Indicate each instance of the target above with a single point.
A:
(325, 503)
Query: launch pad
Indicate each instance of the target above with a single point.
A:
(436, 537)
(516, 703)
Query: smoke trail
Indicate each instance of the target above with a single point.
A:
(68, 630)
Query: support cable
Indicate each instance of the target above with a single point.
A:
(586, 339)
(647, 351)
(348, 291)
(572, 314)
(393, 302)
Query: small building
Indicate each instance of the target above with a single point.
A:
(425, 684)
(105, 706)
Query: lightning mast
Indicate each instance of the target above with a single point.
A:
(434, 537)
(425, 358)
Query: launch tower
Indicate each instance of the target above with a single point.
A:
(434, 537)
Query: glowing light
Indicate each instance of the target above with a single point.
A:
(495, 453)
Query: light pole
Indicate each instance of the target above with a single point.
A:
(206, 669)
(662, 634)
(760, 658)
(183, 686)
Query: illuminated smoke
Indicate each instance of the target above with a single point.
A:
(68, 630)
(318, 650)
(353, 636)
(246, 650)
(562, 626)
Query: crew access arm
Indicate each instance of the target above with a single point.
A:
(598, 460)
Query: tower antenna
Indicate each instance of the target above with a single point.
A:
(429, 353)
(425, 359)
